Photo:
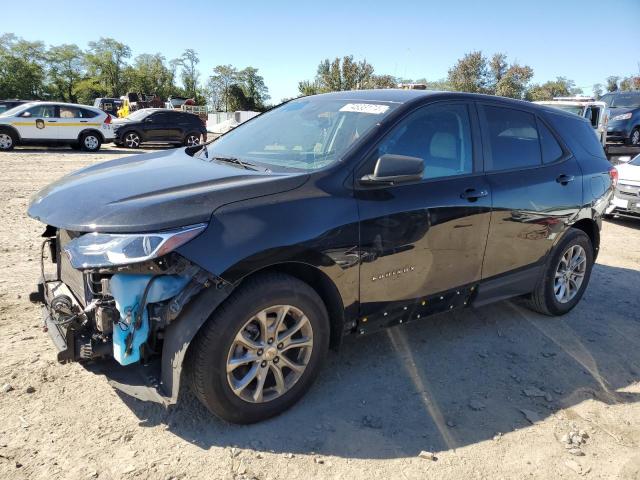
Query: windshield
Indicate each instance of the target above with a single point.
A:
(635, 161)
(306, 134)
(12, 111)
(625, 100)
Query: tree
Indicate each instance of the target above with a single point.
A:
(189, 73)
(612, 83)
(513, 81)
(66, 70)
(219, 84)
(597, 90)
(255, 90)
(106, 62)
(630, 83)
(498, 68)
(307, 87)
(345, 74)
(560, 87)
(238, 99)
(22, 68)
(150, 74)
(470, 74)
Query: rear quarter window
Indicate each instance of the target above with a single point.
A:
(577, 133)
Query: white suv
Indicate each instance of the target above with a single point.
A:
(53, 123)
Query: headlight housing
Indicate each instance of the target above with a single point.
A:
(94, 250)
(622, 116)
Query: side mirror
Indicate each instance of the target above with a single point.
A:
(26, 114)
(392, 169)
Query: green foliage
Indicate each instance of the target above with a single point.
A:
(612, 83)
(189, 73)
(151, 74)
(345, 74)
(106, 62)
(470, 74)
(229, 89)
(560, 87)
(66, 71)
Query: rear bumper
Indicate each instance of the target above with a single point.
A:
(626, 205)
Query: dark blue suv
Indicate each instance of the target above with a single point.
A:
(624, 117)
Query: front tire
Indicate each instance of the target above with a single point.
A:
(261, 350)
(565, 277)
(131, 140)
(191, 139)
(90, 142)
(634, 138)
(7, 140)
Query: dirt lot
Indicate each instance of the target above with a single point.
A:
(491, 392)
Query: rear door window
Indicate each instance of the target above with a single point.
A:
(511, 138)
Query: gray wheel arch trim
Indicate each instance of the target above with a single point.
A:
(180, 333)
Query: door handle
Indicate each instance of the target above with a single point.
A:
(84, 121)
(52, 121)
(565, 179)
(472, 194)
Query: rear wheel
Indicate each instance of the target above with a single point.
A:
(90, 142)
(7, 140)
(261, 350)
(565, 277)
(131, 140)
(192, 139)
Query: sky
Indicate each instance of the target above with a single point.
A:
(585, 40)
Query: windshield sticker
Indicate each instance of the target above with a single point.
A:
(371, 108)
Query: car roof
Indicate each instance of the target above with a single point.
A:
(63, 104)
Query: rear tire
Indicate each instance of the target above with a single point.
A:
(545, 298)
(252, 312)
(90, 142)
(8, 140)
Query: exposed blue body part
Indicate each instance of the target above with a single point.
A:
(127, 290)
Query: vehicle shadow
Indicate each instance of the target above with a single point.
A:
(446, 382)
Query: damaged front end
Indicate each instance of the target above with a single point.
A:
(116, 295)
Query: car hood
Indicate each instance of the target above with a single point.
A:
(619, 111)
(628, 173)
(151, 192)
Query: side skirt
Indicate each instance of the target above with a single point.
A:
(487, 291)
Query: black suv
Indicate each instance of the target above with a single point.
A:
(246, 259)
(159, 125)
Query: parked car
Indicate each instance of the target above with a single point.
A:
(244, 260)
(159, 125)
(624, 117)
(594, 111)
(52, 123)
(9, 104)
(108, 105)
(626, 200)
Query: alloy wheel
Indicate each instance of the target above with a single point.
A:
(132, 140)
(6, 142)
(91, 142)
(269, 354)
(635, 137)
(192, 140)
(570, 273)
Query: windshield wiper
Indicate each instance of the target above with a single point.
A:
(237, 161)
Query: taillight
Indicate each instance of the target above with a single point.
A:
(613, 174)
(108, 119)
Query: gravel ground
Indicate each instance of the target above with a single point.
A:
(496, 392)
